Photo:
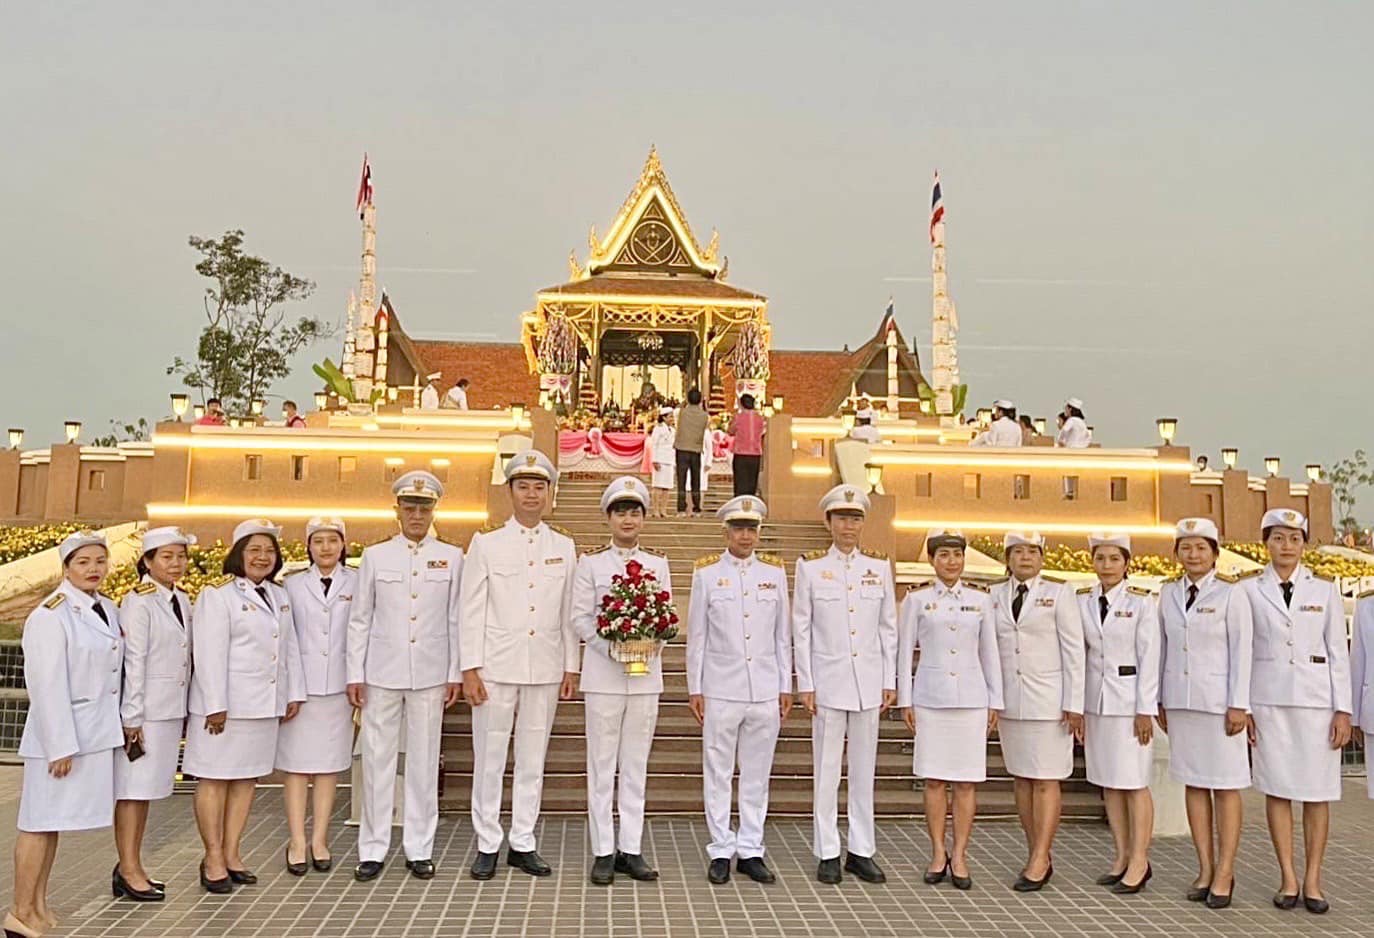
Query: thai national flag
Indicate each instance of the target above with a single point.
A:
(364, 187)
(937, 207)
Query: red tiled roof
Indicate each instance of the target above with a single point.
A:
(497, 370)
(806, 380)
(694, 287)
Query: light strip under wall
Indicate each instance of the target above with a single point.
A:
(297, 512)
(298, 443)
(1083, 463)
(1047, 527)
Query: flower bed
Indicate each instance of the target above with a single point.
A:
(19, 542)
(1324, 564)
(1074, 560)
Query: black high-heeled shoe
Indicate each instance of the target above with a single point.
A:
(963, 883)
(321, 866)
(295, 869)
(220, 887)
(243, 877)
(1198, 893)
(934, 879)
(120, 889)
(1123, 888)
(1215, 901)
(1283, 900)
(1316, 906)
(1110, 879)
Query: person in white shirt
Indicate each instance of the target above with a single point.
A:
(429, 396)
(865, 428)
(1121, 631)
(520, 657)
(1004, 431)
(622, 708)
(457, 396)
(951, 702)
(1074, 433)
(403, 670)
(739, 683)
(1300, 701)
(663, 459)
(844, 638)
(156, 618)
(318, 744)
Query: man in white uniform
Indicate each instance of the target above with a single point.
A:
(1040, 641)
(1004, 431)
(622, 709)
(457, 396)
(864, 427)
(402, 663)
(844, 636)
(519, 655)
(739, 682)
(429, 397)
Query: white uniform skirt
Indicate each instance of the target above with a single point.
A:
(82, 801)
(1115, 759)
(151, 777)
(246, 748)
(1036, 748)
(1293, 754)
(1202, 755)
(320, 738)
(662, 478)
(952, 744)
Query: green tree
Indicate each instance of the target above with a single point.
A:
(247, 342)
(1347, 477)
(121, 430)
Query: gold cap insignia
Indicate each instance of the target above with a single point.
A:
(1290, 516)
(849, 495)
(1190, 525)
(418, 485)
(629, 483)
(530, 459)
(747, 505)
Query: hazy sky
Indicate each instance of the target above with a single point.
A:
(1162, 208)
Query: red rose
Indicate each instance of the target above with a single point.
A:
(672, 618)
(634, 568)
(602, 621)
(627, 627)
(641, 601)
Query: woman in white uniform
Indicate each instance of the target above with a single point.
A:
(72, 653)
(1121, 631)
(1205, 701)
(247, 679)
(952, 701)
(1073, 432)
(661, 454)
(318, 743)
(1300, 701)
(156, 616)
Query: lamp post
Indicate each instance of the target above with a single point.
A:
(73, 428)
(873, 473)
(777, 403)
(517, 413)
(258, 406)
(1167, 427)
(1271, 465)
(1229, 454)
(16, 437)
(1040, 424)
(1314, 472)
(321, 400)
(179, 404)
(197, 411)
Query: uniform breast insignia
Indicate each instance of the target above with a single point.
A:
(875, 554)
(219, 581)
(436, 564)
(1311, 608)
(285, 607)
(767, 585)
(816, 554)
(705, 561)
(1137, 591)
(55, 600)
(548, 561)
(970, 608)
(1051, 579)
(563, 531)
(145, 589)
(1084, 590)
(827, 574)
(1124, 614)
(1206, 610)
(592, 552)
(1045, 602)
(772, 560)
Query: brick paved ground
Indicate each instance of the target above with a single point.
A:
(682, 903)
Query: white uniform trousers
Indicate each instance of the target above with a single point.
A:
(751, 730)
(388, 713)
(620, 731)
(828, 731)
(528, 709)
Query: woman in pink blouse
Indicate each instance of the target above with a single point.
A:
(748, 447)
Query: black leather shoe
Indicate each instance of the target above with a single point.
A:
(864, 868)
(1284, 901)
(1026, 884)
(1316, 906)
(528, 861)
(1215, 901)
(220, 887)
(635, 866)
(296, 869)
(243, 877)
(1109, 879)
(828, 871)
(756, 869)
(421, 869)
(603, 870)
(484, 867)
(964, 883)
(718, 872)
(367, 870)
(120, 889)
(1198, 893)
(935, 879)
(1124, 888)
(320, 865)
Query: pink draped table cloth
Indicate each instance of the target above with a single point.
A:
(624, 452)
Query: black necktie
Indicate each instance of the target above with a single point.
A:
(1287, 593)
(262, 591)
(1102, 607)
(325, 581)
(1021, 590)
(1192, 597)
(101, 612)
(176, 611)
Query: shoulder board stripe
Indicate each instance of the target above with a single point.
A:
(1366, 594)
(55, 600)
(1137, 591)
(705, 561)
(1084, 590)
(1227, 578)
(652, 551)
(816, 554)
(924, 584)
(144, 589)
(1324, 576)
(596, 550)
(980, 587)
(1236, 578)
(491, 526)
(219, 581)
(1051, 579)
(560, 530)
(771, 559)
(875, 554)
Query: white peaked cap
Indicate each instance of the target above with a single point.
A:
(1108, 539)
(531, 464)
(255, 526)
(1014, 538)
(153, 538)
(845, 498)
(1197, 527)
(1284, 518)
(743, 508)
(77, 540)
(315, 525)
(624, 489)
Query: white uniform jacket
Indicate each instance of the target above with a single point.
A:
(1003, 432)
(246, 660)
(71, 668)
(960, 666)
(1206, 657)
(322, 626)
(844, 628)
(1302, 658)
(1123, 652)
(157, 653)
(1074, 434)
(602, 674)
(517, 604)
(1042, 655)
(1361, 667)
(739, 631)
(404, 622)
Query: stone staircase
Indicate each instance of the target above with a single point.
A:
(675, 764)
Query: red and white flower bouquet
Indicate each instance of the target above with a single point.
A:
(636, 617)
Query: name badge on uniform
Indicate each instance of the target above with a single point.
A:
(970, 609)
(1045, 602)
(870, 580)
(285, 608)
(552, 560)
(1126, 670)
(1124, 614)
(1319, 659)
(437, 564)
(767, 585)
(1311, 608)
(1206, 610)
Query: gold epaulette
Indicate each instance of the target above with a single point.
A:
(816, 554)
(1237, 577)
(1228, 578)
(558, 530)
(1366, 594)
(1137, 591)
(1052, 579)
(55, 600)
(653, 552)
(143, 589)
(1324, 576)
(705, 561)
(491, 526)
(773, 560)
(976, 586)
(1084, 590)
(596, 550)
(870, 552)
(219, 581)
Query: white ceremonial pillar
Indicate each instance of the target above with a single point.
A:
(944, 327)
(893, 394)
(365, 340)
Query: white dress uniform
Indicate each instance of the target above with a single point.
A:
(1300, 680)
(622, 710)
(71, 668)
(429, 395)
(1002, 432)
(1074, 434)
(517, 629)
(739, 657)
(157, 678)
(1042, 659)
(247, 665)
(1205, 667)
(956, 683)
(403, 646)
(844, 643)
(1362, 671)
(320, 739)
(661, 453)
(1122, 682)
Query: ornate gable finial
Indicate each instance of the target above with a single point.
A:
(713, 248)
(651, 163)
(574, 268)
